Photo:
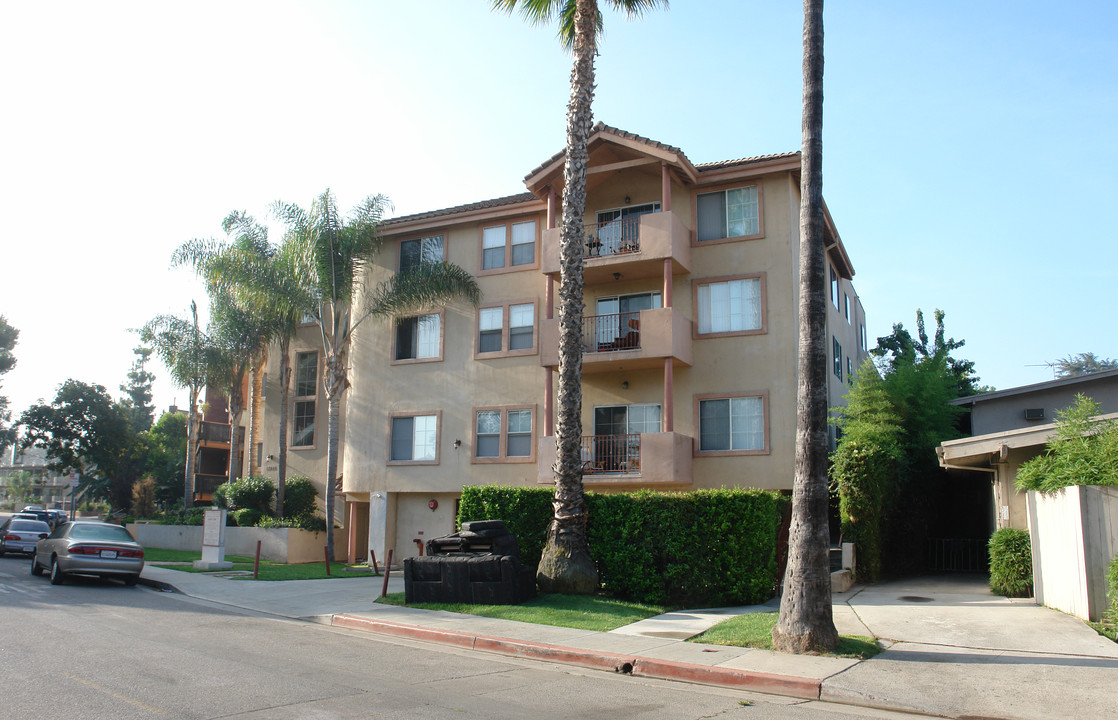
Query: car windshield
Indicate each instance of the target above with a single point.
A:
(113, 533)
(28, 526)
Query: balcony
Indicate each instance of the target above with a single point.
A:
(636, 247)
(211, 434)
(645, 459)
(624, 341)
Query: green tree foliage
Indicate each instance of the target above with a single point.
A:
(137, 391)
(1081, 364)
(894, 420)
(166, 443)
(865, 467)
(82, 430)
(1083, 451)
(301, 495)
(900, 349)
(8, 337)
(1011, 563)
(21, 487)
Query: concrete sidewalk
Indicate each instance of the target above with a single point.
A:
(953, 648)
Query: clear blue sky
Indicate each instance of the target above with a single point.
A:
(969, 147)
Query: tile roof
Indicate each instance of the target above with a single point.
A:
(600, 127)
(457, 209)
(721, 164)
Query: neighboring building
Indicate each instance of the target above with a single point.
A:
(53, 489)
(1010, 427)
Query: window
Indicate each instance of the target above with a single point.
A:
(512, 245)
(306, 389)
(836, 351)
(733, 424)
(420, 250)
(731, 305)
(728, 214)
(419, 338)
(507, 329)
(415, 439)
(849, 370)
(862, 334)
(834, 288)
(503, 434)
(846, 305)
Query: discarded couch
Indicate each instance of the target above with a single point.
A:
(480, 564)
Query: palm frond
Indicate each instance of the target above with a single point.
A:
(426, 286)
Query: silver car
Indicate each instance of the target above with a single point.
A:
(19, 535)
(89, 548)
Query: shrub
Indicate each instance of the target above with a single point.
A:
(178, 516)
(299, 495)
(251, 492)
(1011, 563)
(303, 522)
(702, 548)
(221, 496)
(1108, 624)
(246, 517)
(143, 498)
(1082, 451)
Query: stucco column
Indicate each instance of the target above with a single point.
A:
(669, 395)
(351, 527)
(552, 207)
(665, 188)
(667, 297)
(378, 526)
(549, 297)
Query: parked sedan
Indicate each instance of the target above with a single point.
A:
(19, 535)
(89, 548)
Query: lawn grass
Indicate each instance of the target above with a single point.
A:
(755, 630)
(268, 570)
(582, 612)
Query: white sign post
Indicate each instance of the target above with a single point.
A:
(213, 541)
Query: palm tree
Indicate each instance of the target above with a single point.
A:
(263, 277)
(331, 255)
(241, 339)
(565, 565)
(185, 350)
(806, 624)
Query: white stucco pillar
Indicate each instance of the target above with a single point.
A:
(378, 526)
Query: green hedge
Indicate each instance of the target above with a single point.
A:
(299, 495)
(703, 548)
(1109, 623)
(1011, 563)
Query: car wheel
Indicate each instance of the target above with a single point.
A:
(131, 580)
(35, 569)
(57, 577)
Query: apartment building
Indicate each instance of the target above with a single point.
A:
(689, 340)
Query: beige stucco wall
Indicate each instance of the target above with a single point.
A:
(459, 383)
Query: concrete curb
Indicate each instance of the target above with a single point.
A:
(158, 585)
(774, 684)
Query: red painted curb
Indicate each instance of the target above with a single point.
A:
(787, 685)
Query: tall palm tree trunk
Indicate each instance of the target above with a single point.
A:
(191, 449)
(565, 565)
(285, 396)
(335, 383)
(256, 407)
(806, 624)
(236, 410)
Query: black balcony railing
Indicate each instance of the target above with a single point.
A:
(611, 454)
(613, 237)
(213, 432)
(606, 333)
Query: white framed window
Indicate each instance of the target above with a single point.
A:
(508, 246)
(732, 424)
(490, 328)
(846, 306)
(420, 250)
(508, 329)
(419, 338)
(725, 214)
(834, 287)
(836, 356)
(306, 392)
(414, 438)
(731, 305)
(503, 434)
